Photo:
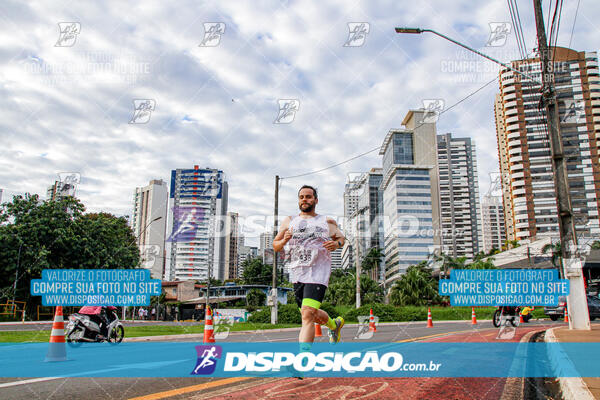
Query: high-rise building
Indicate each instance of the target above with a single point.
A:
(525, 160)
(492, 218)
(367, 218)
(232, 230)
(336, 259)
(197, 219)
(245, 253)
(148, 224)
(410, 194)
(459, 196)
(347, 259)
(266, 246)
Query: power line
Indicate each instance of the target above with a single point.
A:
(378, 147)
(574, 19)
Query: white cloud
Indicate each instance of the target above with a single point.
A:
(68, 108)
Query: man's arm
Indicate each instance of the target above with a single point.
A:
(283, 236)
(337, 237)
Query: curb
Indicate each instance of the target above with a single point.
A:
(514, 387)
(572, 387)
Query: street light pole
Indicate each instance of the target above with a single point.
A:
(275, 226)
(418, 31)
(577, 301)
(17, 275)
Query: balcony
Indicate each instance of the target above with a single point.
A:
(514, 151)
(513, 127)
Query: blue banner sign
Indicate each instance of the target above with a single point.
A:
(504, 287)
(95, 287)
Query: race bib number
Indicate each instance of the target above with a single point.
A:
(302, 257)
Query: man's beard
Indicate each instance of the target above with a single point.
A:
(309, 208)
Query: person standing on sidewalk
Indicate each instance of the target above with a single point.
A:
(308, 240)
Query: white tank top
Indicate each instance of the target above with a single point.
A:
(309, 261)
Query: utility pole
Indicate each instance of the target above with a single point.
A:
(275, 226)
(357, 264)
(576, 301)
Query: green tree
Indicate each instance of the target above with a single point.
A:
(256, 298)
(37, 235)
(555, 249)
(416, 287)
(372, 259)
(257, 273)
(342, 289)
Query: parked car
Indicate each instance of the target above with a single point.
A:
(557, 312)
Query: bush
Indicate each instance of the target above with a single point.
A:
(329, 309)
(286, 314)
(385, 312)
(256, 297)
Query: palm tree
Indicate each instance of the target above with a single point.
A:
(372, 259)
(556, 251)
(416, 287)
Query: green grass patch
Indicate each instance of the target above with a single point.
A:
(137, 331)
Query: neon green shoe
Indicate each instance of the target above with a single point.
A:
(336, 334)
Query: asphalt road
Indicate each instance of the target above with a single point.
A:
(251, 388)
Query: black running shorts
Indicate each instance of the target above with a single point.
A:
(309, 294)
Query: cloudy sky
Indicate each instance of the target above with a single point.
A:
(67, 99)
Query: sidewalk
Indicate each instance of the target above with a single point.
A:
(577, 388)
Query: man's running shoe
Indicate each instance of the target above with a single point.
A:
(336, 334)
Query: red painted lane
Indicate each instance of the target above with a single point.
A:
(387, 388)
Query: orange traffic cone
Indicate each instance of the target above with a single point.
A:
(372, 327)
(521, 320)
(566, 315)
(318, 332)
(209, 337)
(429, 319)
(57, 351)
(473, 316)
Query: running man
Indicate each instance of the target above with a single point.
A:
(309, 239)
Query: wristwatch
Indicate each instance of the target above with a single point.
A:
(339, 244)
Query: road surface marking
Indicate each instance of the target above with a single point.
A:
(188, 389)
(25, 382)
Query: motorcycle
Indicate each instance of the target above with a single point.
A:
(508, 313)
(85, 328)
